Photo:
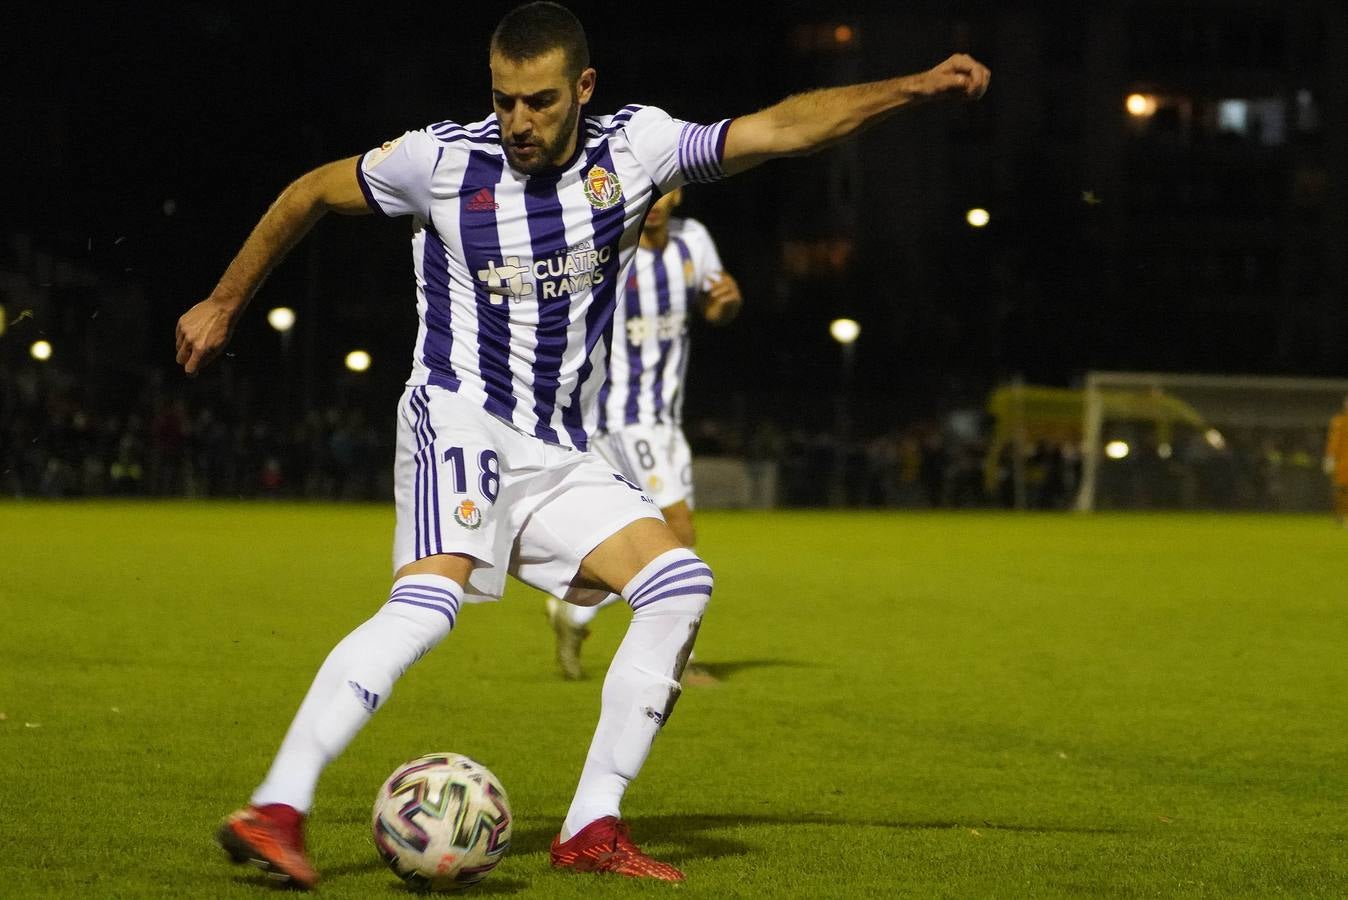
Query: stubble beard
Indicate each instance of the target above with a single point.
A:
(553, 154)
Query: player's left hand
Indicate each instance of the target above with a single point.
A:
(959, 76)
(723, 300)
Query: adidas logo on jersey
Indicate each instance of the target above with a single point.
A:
(483, 201)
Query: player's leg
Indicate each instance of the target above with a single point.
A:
(570, 627)
(434, 565)
(571, 622)
(604, 535)
(1341, 504)
(353, 682)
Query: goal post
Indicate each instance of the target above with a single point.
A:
(1242, 442)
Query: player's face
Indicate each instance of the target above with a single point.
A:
(658, 215)
(538, 107)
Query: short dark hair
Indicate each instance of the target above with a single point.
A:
(531, 30)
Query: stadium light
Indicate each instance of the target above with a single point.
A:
(40, 351)
(843, 34)
(1165, 451)
(1117, 449)
(1215, 439)
(1140, 106)
(977, 217)
(844, 331)
(282, 318)
(358, 361)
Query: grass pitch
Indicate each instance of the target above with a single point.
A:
(911, 705)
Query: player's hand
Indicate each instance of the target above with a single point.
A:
(203, 331)
(961, 76)
(723, 300)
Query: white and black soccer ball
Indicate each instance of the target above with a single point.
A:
(442, 822)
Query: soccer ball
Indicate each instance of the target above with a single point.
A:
(442, 822)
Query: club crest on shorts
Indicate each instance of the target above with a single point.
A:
(468, 515)
(602, 188)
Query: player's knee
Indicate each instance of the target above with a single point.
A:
(680, 583)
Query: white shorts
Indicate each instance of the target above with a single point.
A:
(466, 482)
(654, 456)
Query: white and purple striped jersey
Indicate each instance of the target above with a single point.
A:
(517, 275)
(650, 329)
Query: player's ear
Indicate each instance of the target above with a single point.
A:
(585, 86)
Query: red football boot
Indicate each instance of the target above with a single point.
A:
(604, 846)
(270, 837)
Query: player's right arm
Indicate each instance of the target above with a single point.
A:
(205, 329)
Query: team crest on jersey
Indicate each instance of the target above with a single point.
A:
(687, 271)
(385, 150)
(654, 483)
(468, 515)
(602, 188)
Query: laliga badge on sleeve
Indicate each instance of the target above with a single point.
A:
(383, 152)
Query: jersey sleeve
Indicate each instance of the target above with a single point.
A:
(396, 177)
(675, 152)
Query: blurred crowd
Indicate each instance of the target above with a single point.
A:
(158, 438)
(148, 440)
(922, 465)
(155, 438)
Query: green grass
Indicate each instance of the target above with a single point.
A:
(912, 705)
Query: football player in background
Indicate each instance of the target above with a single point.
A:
(677, 273)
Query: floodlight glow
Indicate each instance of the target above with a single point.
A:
(358, 360)
(844, 331)
(40, 351)
(282, 318)
(1165, 451)
(843, 34)
(1117, 449)
(977, 217)
(1215, 439)
(1140, 105)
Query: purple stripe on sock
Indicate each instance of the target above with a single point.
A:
(440, 609)
(686, 561)
(447, 599)
(684, 591)
(426, 593)
(704, 572)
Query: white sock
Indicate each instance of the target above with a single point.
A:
(668, 599)
(355, 680)
(584, 615)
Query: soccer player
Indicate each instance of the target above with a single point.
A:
(523, 226)
(677, 270)
(1336, 462)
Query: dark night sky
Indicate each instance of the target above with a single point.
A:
(206, 110)
(171, 129)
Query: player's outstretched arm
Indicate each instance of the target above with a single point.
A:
(804, 123)
(204, 330)
(721, 302)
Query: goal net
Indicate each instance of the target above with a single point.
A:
(1233, 443)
